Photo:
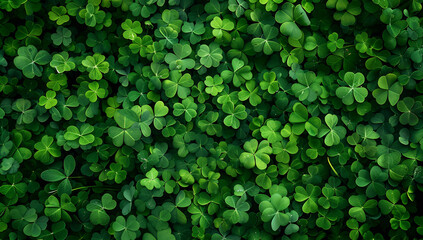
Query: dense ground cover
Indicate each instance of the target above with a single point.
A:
(183, 119)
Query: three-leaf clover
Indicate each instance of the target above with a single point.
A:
(127, 132)
(266, 43)
(151, 181)
(210, 55)
(374, 181)
(250, 92)
(47, 149)
(289, 16)
(273, 210)
(49, 100)
(28, 60)
(235, 114)
(179, 84)
(239, 212)
(178, 60)
(58, 14)
(97, 209)
(256, 154)
(96, 66)
(26, 114)
(409, 108)
(309, 196)
(132, 29)
(221, 27)
(62, 36)
(95, 91)
(333, 133)
(57, 210)
(308, 87)
(126, 229)
(62, 63)
(54, 175)
(188, 107)
(354, 89)
(214, 85)
(240, 73)
(389, 89)
(83, 134)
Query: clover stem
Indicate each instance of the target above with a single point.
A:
(331, 166)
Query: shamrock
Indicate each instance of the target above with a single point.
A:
(62, 63)
(46, 150)
(388, 89)
(235, 114)
(240, 206)
(374, 181)
(267, 42)
(353, 91)
(309, 196)
(214, 85)
(49, 100)
(210, 55)
(289, 16)
(95, 91)
(308, 87)
(57, 210)
(221, 27)
(26, 114)
(54, 175)
(126, 229)
(132, 29)
(177, 60)
(151, 181)
(128, 131)
(98, 209)
(273, 210)
(28, 60)
(240, 73)
(188, 106)
(82, 134)
(58, 14)
(62, 36)
(96, 66)
(256, 154)
(178, 83)
(409, 108)
(195, 31)
(333, 133)
(238, 7)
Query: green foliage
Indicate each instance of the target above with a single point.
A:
(238, 119)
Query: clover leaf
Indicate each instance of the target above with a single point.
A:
(210, 55)
(29, 59)
(388, 89)
(128, 131)
(289, 16)
(257, 154)
(309, 196)
(126, 229)
(353, 91)
(54, 175)
(178, 60)
(409, 108)
(234, 115)
(57, 210)
(240, 206)
(132, 29)
(96, 66)
(97, 209)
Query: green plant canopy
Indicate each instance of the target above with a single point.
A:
(211, 120)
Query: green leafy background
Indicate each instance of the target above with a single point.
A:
(183, 119)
